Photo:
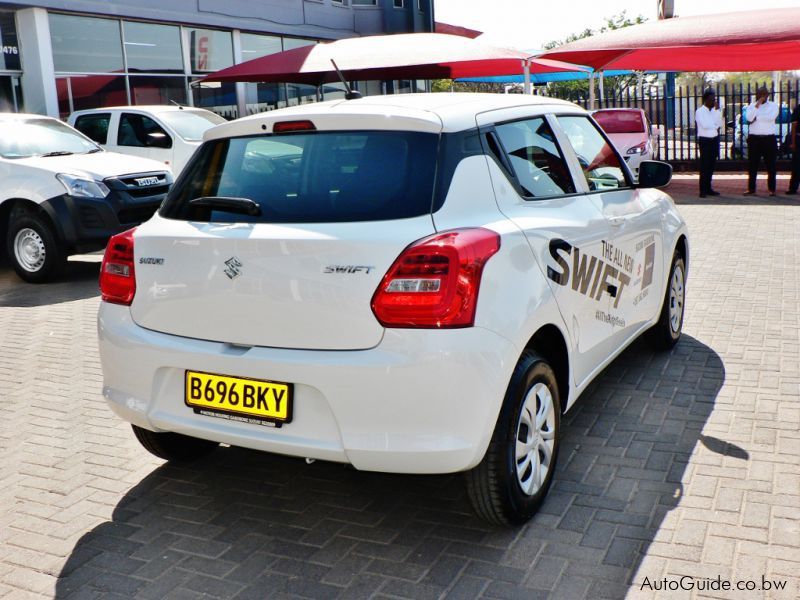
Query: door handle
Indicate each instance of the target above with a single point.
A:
(616, 221)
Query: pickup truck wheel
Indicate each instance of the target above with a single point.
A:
(667, 331)
(511, 481)
(173, 447)
(35, 253)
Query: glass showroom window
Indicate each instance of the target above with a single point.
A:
(86, 44)
(89, 63)
(299, 93)
(152, 48)
(211, 50)
(260, 97)
(10, 65)
(80, 92)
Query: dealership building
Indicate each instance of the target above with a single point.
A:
(67, 55)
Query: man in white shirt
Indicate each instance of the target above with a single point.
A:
(708, 120)
(761, 140)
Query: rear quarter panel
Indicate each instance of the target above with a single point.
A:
(515, 300)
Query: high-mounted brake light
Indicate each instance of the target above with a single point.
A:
(117, 276)
(434, 283)
(288, 126)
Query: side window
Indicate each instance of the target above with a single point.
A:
(535, 159)
(140, 131)
(94, 127)
(601, 165)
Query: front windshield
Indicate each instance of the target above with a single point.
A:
(38, 137)
(190, 124)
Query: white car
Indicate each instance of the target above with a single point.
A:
(168, 134)
(60, 193)
(413, 284)
(631, 132)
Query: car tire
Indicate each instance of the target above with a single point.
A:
(173, 447)
(504, 488)
(667, 331)
(33, 249)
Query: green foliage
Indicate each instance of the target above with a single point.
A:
(448, 85)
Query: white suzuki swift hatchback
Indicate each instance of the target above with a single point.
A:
(411, 284)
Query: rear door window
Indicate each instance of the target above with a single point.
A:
(94, 127)
(536, 160)
(140, 131)
(600, 163)
(311, 177)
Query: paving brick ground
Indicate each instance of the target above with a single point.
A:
(679, 464)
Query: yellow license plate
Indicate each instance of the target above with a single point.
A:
(239, 398)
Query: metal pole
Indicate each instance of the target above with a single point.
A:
(602, 91)
(526, 71)
(591, 91)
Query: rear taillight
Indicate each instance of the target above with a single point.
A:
(117, 276)
(434, 283)
(290, 126)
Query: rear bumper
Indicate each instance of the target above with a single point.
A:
(422, 401)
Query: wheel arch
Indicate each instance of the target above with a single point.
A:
(550, 343)
(43, 210)
(682, 248)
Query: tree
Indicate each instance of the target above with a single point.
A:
(448, 85)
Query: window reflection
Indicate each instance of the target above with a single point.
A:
(90, 91)
(218, 97)
(151, 47)
(209, 50)
(85, 44)
(146, 89)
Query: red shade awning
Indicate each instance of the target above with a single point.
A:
(456, 30)
(758, 40)
(402, 56)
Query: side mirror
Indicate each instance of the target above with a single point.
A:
(654, 174)
(159, 140)
(730, 124)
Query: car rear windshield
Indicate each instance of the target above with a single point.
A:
(317, 177)
(620, 121)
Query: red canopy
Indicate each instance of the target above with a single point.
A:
(758, 40)
(402, 56)
(456, 30)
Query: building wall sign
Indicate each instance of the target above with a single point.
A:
(9, 58)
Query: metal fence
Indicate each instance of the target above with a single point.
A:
(674, 116)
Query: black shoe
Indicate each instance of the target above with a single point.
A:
(791, 192)
(713, 193)
(749, 193)
(702, 195)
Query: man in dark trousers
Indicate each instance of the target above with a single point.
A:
(761, 140)
(794, 145)
(708, 120)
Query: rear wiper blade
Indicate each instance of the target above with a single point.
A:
(93, 150)
(243, 206)
(57, 153)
